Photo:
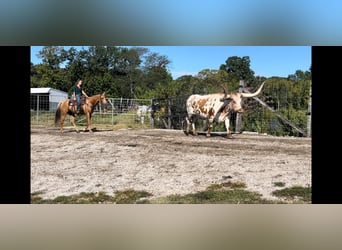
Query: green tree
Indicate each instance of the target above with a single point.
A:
(239, 67)
(300, 75)
(213, 81)
(52, 56)
(156, 70)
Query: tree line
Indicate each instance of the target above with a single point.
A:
(139, 73)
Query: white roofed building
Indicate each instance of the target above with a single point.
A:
(46, 98)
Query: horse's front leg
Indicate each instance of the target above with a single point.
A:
(88, 115)
(72, 120)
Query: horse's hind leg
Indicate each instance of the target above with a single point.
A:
(62, 123)
(72, 120)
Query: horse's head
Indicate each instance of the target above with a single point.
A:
(103, 98)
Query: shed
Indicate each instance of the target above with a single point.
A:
(46, 98)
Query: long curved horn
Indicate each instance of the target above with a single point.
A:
(255, 93)
(226, 96)
(224, 91)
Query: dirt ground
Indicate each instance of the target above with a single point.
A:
(163, 162)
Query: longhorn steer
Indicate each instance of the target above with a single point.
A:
(214, 107)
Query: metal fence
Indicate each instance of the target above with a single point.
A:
(170, 114)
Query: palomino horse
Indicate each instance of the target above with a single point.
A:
(87, 107)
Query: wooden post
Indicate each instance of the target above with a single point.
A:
(238, 115)
(308, 134)
(153, 109)
(169, 113)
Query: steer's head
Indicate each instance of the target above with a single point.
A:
(235, 102)
(235, 99)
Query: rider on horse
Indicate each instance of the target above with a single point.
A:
(77, 92)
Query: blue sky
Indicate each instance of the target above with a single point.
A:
(266, 61)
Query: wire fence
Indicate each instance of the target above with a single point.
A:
(170, 114)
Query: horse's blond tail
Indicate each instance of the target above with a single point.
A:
(58, 113)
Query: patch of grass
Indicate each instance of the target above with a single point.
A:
(279, 184)
(35, 197)
(215, 187)
(86, 198)
(224, 193)
(130, 196)
(234, 196)
(226, 185)
(129, 120)
(236, 184)
(82, 198)
(295, 193)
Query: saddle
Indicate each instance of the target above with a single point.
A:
(73, 102)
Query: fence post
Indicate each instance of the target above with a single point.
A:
(169, 113)
(37, 109)
(153, 109)
(308, 134)
(238, 115)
